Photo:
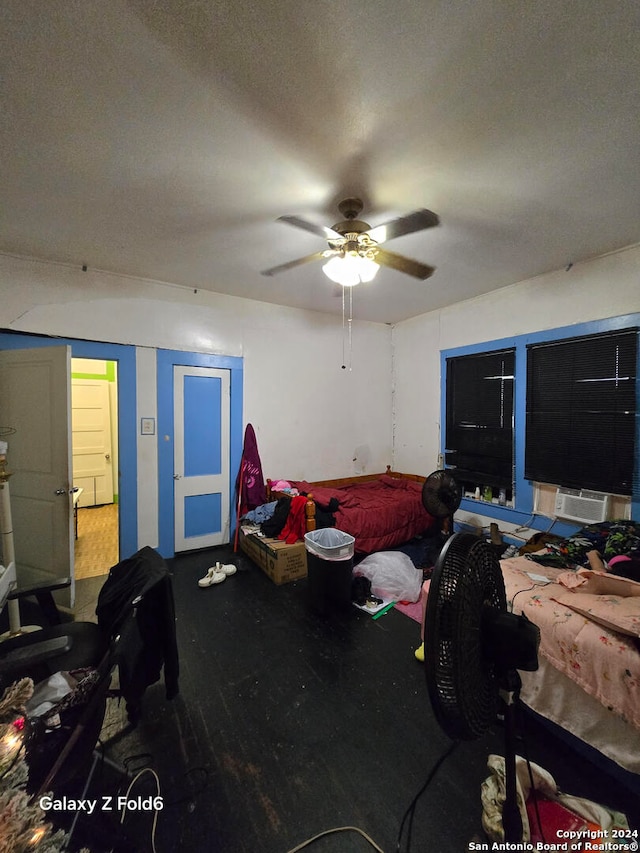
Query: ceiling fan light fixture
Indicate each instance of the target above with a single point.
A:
(340, 272)
(355, 245)
(350, 269)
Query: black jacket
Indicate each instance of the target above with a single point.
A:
(136, 603)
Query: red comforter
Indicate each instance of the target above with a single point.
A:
(379, 514)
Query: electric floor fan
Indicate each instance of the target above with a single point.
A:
(441, 496)
(473, 651)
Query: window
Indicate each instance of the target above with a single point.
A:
(580, 418)
(479, 419)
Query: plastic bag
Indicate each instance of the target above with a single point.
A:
(48, 693)
(392, 574)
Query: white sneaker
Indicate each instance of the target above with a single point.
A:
(228, 569)
(212, 576)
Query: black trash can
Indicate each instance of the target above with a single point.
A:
(329, 569)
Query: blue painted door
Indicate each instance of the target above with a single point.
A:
(201, 456)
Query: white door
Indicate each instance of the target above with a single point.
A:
(91, 428)
(201, 456)
(35, 400)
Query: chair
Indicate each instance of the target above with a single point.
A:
(43, 593)
(135, 632)
(56, 646)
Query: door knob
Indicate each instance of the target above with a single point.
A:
(107, 456)
(60, 492)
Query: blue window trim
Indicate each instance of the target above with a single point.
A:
(166, 360)
(522, 513)
(127, 427)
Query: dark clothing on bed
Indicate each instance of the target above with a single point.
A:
(324, 518)
(275, 525)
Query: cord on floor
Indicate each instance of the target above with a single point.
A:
(156, 809)
(408, 814)
(412, 806)
(330, 832)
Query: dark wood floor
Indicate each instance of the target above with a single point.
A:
(289, 724)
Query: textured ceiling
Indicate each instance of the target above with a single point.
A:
(163, 138)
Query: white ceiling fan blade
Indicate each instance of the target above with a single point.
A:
(403, 264)
(316, 256)
(409, 224)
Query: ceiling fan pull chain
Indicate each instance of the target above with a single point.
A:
(350, 321)
(343, 364)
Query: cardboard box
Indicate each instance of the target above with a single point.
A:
(281, 562)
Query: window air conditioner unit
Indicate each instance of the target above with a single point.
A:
(580, 505)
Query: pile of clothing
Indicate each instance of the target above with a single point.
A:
(617, 542)
(286, 518)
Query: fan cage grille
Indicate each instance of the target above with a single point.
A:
(441, 495)
(462, 681)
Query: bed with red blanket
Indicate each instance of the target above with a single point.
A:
(380, 511)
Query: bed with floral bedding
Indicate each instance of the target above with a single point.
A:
(588, 680)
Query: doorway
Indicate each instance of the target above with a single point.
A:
(205, 393)
(202, 482)
(94, 430)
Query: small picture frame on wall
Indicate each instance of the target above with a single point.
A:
(147, 426)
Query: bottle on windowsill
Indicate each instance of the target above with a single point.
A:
(476, 494)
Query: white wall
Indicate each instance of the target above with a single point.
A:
(604, 287)
(312, 419)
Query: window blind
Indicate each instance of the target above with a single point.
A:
(479, 426)
(581, 407)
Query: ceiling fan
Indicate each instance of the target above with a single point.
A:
(354, 254)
